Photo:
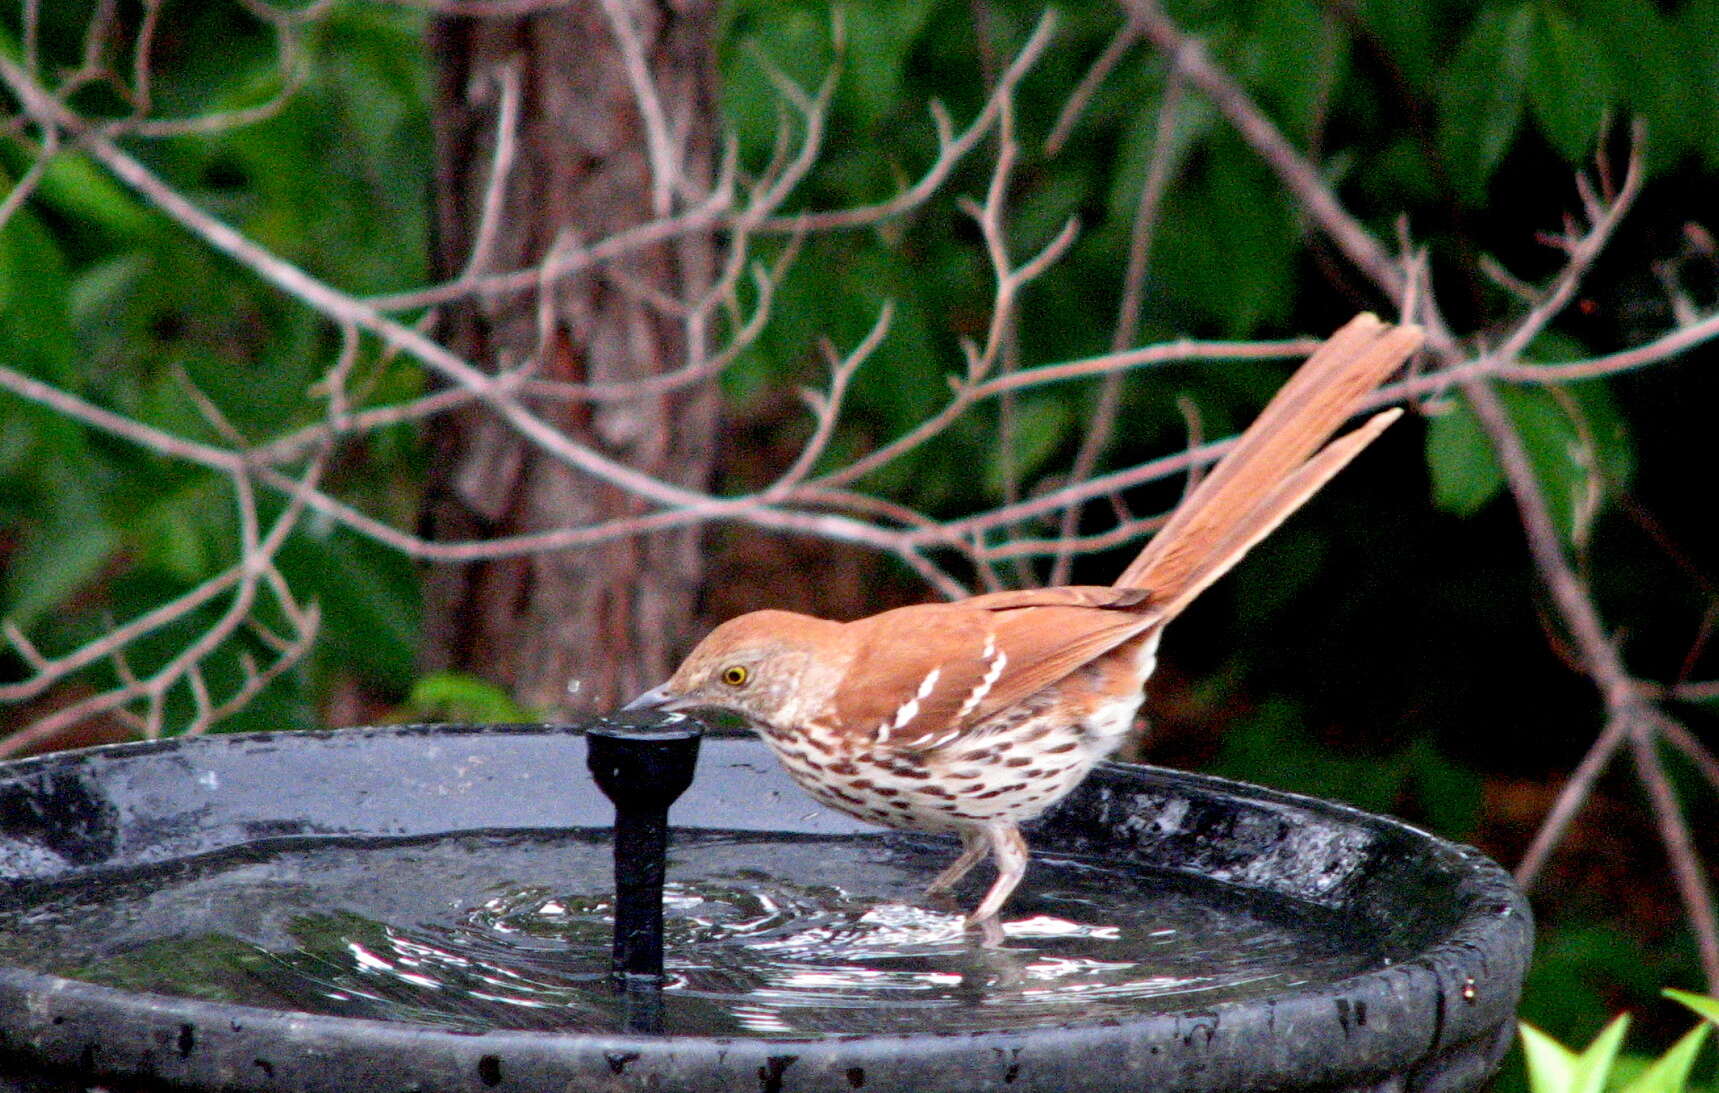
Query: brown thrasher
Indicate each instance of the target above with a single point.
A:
(972, 716)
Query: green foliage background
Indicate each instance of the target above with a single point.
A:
(1417, 613)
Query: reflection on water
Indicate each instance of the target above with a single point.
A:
(766, 936)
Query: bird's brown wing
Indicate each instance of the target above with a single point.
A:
(923, 675)
(1047, 643)
(1073, 595)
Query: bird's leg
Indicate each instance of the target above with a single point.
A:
(973, 850)
(1010, 852)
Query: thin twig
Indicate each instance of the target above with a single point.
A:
(1114, 50)
(951, 149)
(1575, 606)
(257, 552)
(760, 215)
(289, 61)
(968, 393)
(1296, 174)
(660, 148)
(1686, 867)
(501, 167)
(1679, 737)
(1103, 419)
(827, 408)
(1571, 800)
(1702, 691)
(31, 178)
(1581, 252)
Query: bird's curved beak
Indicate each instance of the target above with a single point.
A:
(657, 698)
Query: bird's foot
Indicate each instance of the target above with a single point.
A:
(990, 928)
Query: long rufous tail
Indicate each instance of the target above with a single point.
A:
(1276, 465)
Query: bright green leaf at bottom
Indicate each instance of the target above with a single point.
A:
(1554, 1068)
(1670, 1073)
(1700, 1003)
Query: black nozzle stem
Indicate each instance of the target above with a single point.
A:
(642, 769)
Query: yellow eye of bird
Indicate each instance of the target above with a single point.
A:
(735, 676)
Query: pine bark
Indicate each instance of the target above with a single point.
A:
(573, 631)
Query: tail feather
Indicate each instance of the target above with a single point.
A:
(1274, 468)
(1273, 509)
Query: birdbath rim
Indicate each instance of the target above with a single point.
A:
(1454, 991)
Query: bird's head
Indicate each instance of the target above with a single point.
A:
(773, 668)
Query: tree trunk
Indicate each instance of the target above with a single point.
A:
(579, 630)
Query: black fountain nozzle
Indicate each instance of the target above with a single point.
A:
(641, 766)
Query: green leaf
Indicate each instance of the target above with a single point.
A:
(1271, 744)
(75, 186)
(1670, 1073)
(795, 41)
(101, 291)
(1451, 794)
(1700, 1003)
(1653, 69)
(186, 531)
(452, 696)
(1569, 84)
(1410, 35)
(880, 33)
(1551, 1065)
(1303, 49)
(1698, 29)
(1465, 474)
(1577, 447)
(370, 602)
(1481, 104)
(34, 330)
(1553, 1068)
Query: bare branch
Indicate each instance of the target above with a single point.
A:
(141, 98)
(31, 178)
(1654, 352)
(565, 261)
(51, 671)
(1103, 420)
(1581, 251)
(1686, 868)
(156, 440)
(826, 409)
(966, 394)
(1297, 175)
(1704, 691)
(1571, 799)
(30, 654)
(345, 309)
(289, 62)
(1118, 46)
(760, 215)
(1696, 752)
(660, 147)
(950, 151)
(501, 166)
(256, 561)
(1627, 715)
(32, 29)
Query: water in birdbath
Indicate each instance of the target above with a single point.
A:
(767, 935)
